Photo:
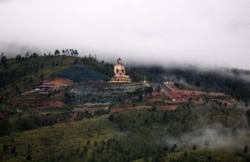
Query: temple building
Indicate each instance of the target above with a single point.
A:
(120, 73)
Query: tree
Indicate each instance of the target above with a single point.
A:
(153, 108)
(63, 52)
(248, 116)
(148, 90)
(34, 55)
(17, 89)
(4, 126)
(13, 151)
(140, 98)
(173, 148)
(76, 53)
(41, 75)
(27, 54)
(3, 59)
(30, 79)
(57, 52)
(76, 61)
(111, 118)
(245, 149)
(18, 58)
(159, 88)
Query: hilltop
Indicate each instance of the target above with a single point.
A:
(63, 108)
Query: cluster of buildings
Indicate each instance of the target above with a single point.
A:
(169, 89)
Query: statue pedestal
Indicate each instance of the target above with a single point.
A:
(120, 80)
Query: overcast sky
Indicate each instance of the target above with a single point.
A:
(204, 32)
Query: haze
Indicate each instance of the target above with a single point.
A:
(207, 33)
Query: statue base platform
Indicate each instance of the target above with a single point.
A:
(120, 80)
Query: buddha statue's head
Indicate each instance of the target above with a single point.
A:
(119, 61)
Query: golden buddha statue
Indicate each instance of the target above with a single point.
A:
(120, 74)
(119, 69)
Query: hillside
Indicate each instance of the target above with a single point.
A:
(145, 134)
(235, 82)
(62, 108)
(17, 75)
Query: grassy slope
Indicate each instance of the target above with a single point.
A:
(32, 71)
(60, 140)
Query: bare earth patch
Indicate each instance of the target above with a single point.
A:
(52, 104)
(59, 82)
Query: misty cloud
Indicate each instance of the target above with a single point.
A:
(214, 136)
(4, 1)
(208, 33)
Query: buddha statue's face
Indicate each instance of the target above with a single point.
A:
(119, 61)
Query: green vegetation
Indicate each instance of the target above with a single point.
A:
(24, 73)
(136, 126)
(186, 133)
(230, 81)
(83, 74)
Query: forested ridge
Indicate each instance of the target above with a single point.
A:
(22, 72)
